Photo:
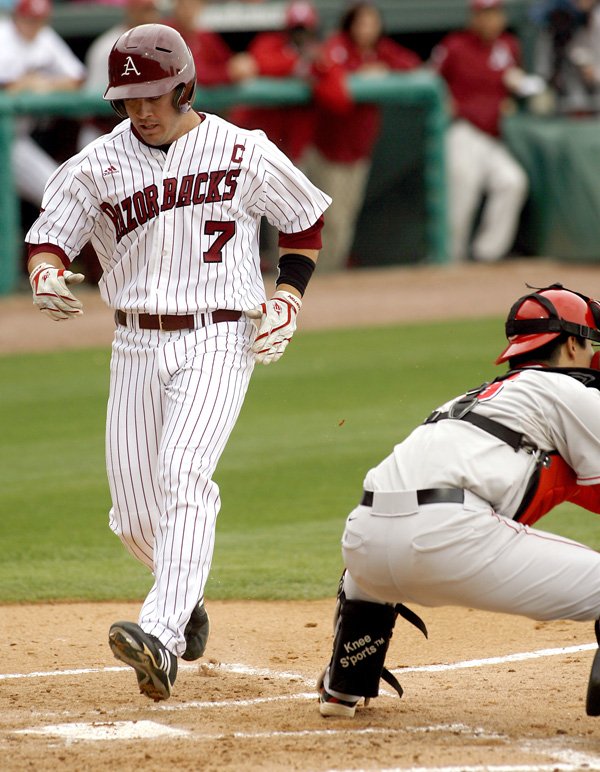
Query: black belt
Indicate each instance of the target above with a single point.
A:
(426, 496)
(171, 322)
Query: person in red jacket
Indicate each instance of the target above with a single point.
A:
(286, 53)
(346, 132)
(216, 64)
(482, 68)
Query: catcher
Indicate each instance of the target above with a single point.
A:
(445, 518)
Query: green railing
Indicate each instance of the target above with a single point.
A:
(421, 89)
(90, 18)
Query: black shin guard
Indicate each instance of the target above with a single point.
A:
(362, 637)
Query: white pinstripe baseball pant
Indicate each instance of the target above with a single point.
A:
(174, 400)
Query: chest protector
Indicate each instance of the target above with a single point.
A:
(552, 481)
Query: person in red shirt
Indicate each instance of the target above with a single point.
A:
(286, 53)
(346, 132)
(481, 66)
(216, 64)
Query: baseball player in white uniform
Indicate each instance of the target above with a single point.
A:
(171, 200)
(446, 518)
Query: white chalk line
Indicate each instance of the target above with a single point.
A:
(243, 669)
(233, 667)
(520, 657)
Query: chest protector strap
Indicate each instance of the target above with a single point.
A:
(462, 410)
(515, 439)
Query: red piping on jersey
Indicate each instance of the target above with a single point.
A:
(35, 249)
(308, 239)
(536, 534)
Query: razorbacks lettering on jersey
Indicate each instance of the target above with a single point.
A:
(176, 229)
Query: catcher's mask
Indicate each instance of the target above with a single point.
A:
(542, 316)
(148, 61)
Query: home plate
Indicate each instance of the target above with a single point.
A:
(110, 730)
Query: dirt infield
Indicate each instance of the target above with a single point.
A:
(485, 692)
(67, 704)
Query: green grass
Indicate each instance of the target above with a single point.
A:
(312, 425)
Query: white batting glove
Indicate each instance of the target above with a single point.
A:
(51, 293)
(276, 322)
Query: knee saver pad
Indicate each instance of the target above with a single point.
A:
(362, 638)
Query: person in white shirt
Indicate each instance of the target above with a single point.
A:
(34, 58)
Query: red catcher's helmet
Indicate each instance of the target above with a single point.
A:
(148, 61)
(542, 316)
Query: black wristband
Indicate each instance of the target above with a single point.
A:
(295, 270)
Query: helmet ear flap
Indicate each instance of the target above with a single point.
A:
(183, 96)
(118, 105)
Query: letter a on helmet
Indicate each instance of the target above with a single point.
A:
(148, 61)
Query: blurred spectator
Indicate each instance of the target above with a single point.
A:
(289, 53)
(215, 62)
(135, 12)
(567, 53)
(34, 58)
(481, 66)
(346, 132)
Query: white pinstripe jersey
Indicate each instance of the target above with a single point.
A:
(177, 232)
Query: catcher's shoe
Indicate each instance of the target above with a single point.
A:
(196, 634)
(334, 706)
(154, 665)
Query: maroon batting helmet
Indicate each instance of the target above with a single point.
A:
(540, 317)
(149, 61)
